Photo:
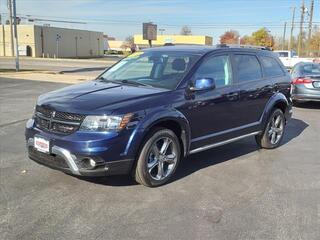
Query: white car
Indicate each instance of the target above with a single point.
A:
(290, 58)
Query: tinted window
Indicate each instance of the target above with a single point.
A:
(271, 67)
(248, 68)
(217, 68)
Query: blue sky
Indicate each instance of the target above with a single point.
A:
(121, 18)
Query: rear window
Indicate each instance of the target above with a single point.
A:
(248, 68)
(311, 69)
(271, 67)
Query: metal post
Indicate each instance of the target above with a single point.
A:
(16, 34)
(57, 45)
(292, 27)
(284, 36)
(150, 43)
(11, 28)
(76, 47)
(4, 40)
(98, 46)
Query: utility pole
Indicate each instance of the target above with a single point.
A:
(301, 29)
(3, 37)
(16, 34)
(292, 27)
(310, 24)
(284, 36)
(11, 27)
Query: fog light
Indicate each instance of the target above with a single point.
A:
(92, 163)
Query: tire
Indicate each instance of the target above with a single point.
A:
(158, 159)
(274, 130)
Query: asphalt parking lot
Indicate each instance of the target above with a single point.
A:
(236, 191)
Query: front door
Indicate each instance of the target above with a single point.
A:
(212, 112)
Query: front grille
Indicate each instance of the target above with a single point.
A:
(47, 159)
(56, 121)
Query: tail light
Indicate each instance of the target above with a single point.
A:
(301, 81)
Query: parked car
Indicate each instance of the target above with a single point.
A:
(154, 108)
(306, 82)
(290, 58)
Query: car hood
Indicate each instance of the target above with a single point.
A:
(93, 95)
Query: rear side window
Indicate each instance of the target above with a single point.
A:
(248, 67)
(271, 67)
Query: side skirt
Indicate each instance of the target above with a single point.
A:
(206, 147)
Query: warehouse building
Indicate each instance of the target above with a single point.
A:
(173, 39)
(51, 42)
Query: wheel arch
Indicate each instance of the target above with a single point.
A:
(280, 101)
(172, 119)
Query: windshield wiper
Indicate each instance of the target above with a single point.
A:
(135, 83)
(107, 80)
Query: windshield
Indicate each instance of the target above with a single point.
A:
(156, 69)
(311, 69)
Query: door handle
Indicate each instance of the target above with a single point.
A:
(233, 96)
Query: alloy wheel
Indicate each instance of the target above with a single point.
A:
(162, 158)
(276, 128)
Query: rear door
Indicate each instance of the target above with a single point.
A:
(255, 90)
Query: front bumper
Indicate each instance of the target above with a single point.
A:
(72, 156)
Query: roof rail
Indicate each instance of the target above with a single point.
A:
(243, 46)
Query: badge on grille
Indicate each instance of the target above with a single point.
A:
(53, 114)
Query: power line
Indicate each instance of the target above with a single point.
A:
(128, 22)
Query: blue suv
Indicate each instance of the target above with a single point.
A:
(157, 106)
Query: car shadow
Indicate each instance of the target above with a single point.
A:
(308, 105)
(233, 150)
(196, 162)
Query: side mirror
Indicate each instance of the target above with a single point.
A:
(201, 84)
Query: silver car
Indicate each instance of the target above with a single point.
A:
(306, 82)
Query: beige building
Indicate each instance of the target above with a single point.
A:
(42, 41)
(173, 39)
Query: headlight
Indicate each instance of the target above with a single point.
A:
(105, 123)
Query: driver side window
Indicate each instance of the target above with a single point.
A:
(217, 68)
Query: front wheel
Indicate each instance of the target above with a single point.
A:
(158, 159)
(273, 132)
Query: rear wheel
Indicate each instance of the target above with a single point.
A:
(158, 159)
(273, 132)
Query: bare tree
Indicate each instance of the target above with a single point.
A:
(185, 30)
(129, 43)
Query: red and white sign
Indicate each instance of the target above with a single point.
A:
(41, 144)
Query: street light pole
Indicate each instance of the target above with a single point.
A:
(161, 30)
(57, 49)
(16, 34)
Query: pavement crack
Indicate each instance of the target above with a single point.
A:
(12, 123)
